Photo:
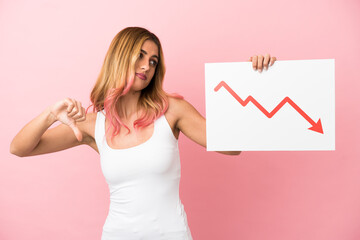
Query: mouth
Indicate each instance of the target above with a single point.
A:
(141, 76)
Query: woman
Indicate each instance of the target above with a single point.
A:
(140, 159)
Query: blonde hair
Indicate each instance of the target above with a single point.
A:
(117, 76)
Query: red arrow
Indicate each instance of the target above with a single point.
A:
(317, 127)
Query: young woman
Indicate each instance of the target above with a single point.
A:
(134, 127)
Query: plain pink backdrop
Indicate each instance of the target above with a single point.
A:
(50, 50)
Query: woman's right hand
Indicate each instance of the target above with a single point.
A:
(69, 111)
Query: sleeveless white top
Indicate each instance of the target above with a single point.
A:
(144, 186)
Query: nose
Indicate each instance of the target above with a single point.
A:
(145, 64)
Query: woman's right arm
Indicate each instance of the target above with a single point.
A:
(35, 138)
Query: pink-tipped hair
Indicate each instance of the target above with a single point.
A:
(117, 76)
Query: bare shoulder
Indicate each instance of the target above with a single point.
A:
(175, 108)
(172, 114)
(178, 108)
(188, 120)
(177, 105)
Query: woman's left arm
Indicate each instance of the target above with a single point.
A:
(192, 124)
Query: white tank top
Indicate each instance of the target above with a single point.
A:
(144, 186)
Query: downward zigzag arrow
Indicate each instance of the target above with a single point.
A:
(317, 127)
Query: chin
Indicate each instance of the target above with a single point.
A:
(137, 88)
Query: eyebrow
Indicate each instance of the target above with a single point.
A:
(152, 55)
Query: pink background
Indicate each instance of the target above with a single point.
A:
(50, 50)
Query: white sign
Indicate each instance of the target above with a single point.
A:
(290, 106)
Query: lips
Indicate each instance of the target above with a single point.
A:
(141, 76)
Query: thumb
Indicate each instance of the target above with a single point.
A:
(76, 131)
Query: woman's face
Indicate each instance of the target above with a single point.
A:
(145, 65)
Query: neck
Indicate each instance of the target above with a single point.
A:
(128, 107)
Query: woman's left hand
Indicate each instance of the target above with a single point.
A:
(259, 61)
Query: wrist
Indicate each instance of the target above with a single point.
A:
(49, 116)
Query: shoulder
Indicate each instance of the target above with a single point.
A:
(180, 109)
(188, 120)
(177, 106)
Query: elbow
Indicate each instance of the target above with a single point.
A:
(14, 151)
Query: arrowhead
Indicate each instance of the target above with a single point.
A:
(317, 127)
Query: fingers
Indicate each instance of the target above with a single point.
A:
(80, 115)
(77, 113)
(266, 61)
(254, 62)
(75, 110)
(72, 107)
(259, 62)
(69, 104)
(273, 59)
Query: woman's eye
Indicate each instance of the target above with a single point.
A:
(153, 62)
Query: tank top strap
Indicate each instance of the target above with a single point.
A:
(100, 130)
(164, 131)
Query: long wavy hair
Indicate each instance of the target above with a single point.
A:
(117, 76)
